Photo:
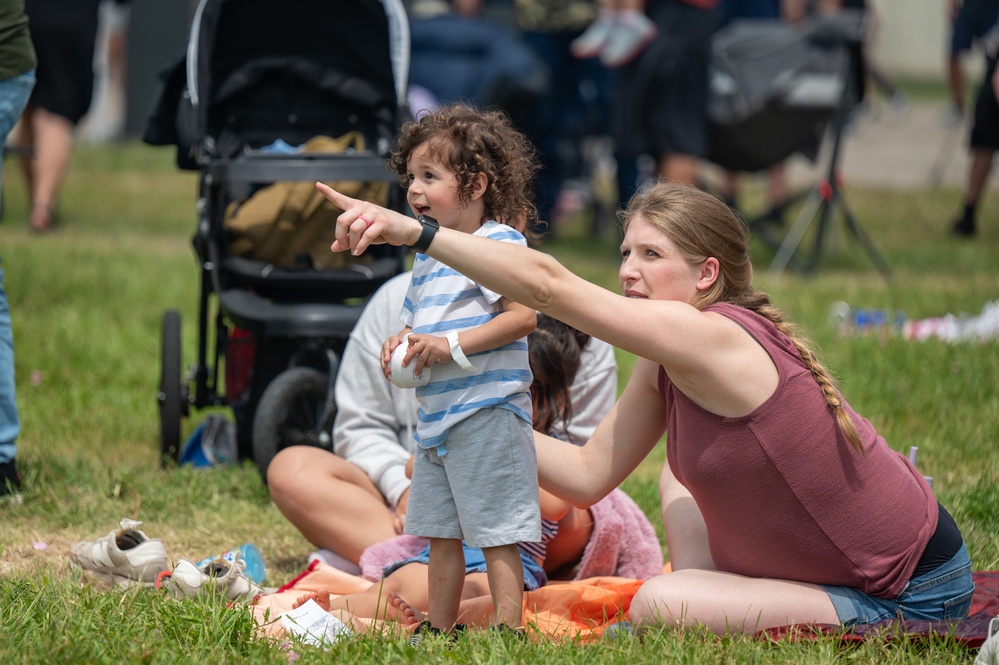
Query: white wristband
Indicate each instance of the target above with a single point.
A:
(457, 354)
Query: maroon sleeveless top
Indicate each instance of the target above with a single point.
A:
(783, 493)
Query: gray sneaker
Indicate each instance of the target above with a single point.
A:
(126, 555)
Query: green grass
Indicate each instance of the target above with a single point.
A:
(87, 302)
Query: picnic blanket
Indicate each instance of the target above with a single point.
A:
(582, 609)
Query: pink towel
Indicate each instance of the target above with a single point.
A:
(623, 544)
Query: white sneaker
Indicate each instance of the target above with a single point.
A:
(215, 577)
(989, 653)
(594, 38)
(126, 555)
(628, 37)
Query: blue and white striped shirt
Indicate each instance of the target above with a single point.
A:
(441, 300)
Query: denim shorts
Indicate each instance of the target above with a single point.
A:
(475, 562)
(943, 594)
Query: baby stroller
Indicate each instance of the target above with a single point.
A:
(775, 90)
(258, 78)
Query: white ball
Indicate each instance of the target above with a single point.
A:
(406, 377)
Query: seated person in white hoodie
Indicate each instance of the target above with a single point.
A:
(358, 497)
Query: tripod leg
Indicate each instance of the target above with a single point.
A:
(793, 238)
(827, 193)
(862, 237)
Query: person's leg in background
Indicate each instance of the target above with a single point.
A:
(960, 43)
(64, 38)
(10, 425)
(575, 107)
(970, 21)
(662, 106)
(14, 95)
(51, 138)
(984, 142)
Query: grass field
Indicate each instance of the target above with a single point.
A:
(87, 300)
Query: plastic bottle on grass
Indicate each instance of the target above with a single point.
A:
(255, 568)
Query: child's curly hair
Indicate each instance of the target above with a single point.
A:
(470, 142)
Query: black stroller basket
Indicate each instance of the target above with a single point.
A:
(257, 80)
(774, 87)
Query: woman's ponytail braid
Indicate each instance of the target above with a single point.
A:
(760, 303)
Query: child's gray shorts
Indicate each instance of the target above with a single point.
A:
(484, 489)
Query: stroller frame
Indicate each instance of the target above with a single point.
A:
(299, 321)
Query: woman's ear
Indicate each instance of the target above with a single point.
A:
(708, 274)
(479, 184)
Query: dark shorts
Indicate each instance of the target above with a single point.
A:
(943, 594)
(65, 71)
(973, 20)
(662, 100)
(985, 130)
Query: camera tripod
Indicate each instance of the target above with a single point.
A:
(822, 201)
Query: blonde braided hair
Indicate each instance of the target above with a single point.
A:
(700, 226)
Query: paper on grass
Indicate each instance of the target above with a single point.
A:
(314, 625)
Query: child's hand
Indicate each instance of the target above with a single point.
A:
(388, 346)
(363, 223)
(427, 350)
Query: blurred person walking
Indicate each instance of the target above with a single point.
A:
(983, 143)
(64, 34)
(662, 99)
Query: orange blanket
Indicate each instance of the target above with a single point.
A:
(579, 609)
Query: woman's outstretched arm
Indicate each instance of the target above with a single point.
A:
(585, 474)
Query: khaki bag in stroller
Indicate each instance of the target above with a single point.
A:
(283, 222)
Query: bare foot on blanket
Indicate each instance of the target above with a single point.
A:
(322, 598)
(405, 613)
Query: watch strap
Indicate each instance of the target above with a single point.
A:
(430, 227)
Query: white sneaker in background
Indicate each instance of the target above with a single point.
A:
(592, 41)
(126, 555)
(628, 37)
(215, 577)
(989, 653)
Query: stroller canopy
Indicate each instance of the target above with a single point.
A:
(256, 71)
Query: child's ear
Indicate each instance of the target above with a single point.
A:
(479, 184)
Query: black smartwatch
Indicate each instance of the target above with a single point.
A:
(430, 226)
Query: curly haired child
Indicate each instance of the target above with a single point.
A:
(475, 473)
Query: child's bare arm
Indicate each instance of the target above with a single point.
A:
(552, 507)
(514, 322)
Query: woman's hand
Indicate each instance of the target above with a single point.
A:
(362, 224)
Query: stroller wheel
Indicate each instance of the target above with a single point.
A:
(172, 395)
(296, 409)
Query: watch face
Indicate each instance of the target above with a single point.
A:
(426, 219)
